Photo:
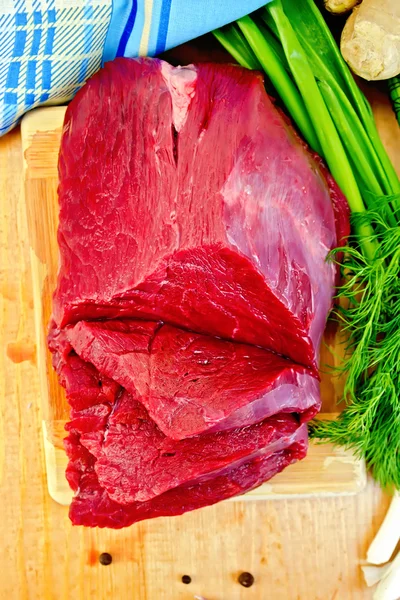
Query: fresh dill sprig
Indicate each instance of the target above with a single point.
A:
(370, 314)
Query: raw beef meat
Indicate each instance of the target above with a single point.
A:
(133, 462)
(193, 288)
(93, 507)
(206, 212)
(189, 382)
(136, 461)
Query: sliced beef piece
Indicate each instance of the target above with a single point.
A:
(200, 383)
(191, 383)
(207, 211)
(93, 507)
(136, 461)
(118, 349)
(85, 385)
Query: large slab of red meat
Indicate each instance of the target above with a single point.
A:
(193, 288)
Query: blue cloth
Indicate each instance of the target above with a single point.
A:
(48, 48)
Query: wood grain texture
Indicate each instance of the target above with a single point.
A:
(326, 470)
(307, 549)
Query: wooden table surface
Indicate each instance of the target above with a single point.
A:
(304, 549)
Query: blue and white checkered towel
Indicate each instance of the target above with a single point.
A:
(48, 48)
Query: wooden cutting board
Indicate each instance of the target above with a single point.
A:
(325, 471)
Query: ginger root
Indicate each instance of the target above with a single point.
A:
(338, 7)
(370, 42)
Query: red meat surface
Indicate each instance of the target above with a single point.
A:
(206, 213)
(93, 507)
(191, 383)
(134, 462)
(193, 288)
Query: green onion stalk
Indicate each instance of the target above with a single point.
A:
(291, 42)
(394, 90)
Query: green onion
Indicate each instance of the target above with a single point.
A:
(356, 142)
(280, 79)
(332, 147)
(328, 65)
(237, 46)
(394, 90)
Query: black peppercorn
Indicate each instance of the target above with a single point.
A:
(186, 579)
(105, 559)
(246, 579)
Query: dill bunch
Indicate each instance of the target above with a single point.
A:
(370, 314)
